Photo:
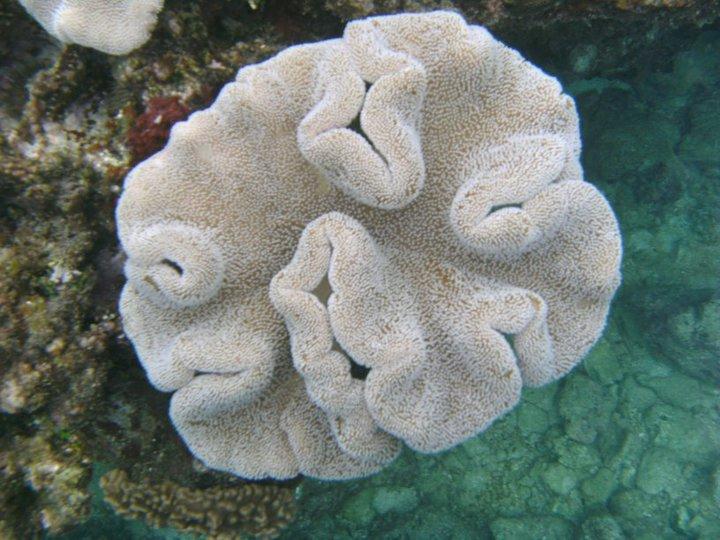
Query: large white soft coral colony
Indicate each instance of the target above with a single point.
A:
(404, 203)
(110, 26)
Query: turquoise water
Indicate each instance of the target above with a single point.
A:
(628, 445)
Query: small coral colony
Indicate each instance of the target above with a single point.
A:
(364, 242)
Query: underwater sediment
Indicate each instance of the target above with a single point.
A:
(624, 446)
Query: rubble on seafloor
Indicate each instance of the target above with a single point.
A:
(71, 391)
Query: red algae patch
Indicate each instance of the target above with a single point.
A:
(151, 129)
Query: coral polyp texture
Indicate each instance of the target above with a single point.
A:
(365, 242)
(110, 26)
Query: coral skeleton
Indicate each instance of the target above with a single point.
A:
(110, 26)
(365, 242)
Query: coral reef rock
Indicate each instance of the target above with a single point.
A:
(106, 25)
(52, 338)
(446, 250)
(218, 512)
(43, 487)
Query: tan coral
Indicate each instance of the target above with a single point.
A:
(427, 180)
(111, 26)
(219, 512)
